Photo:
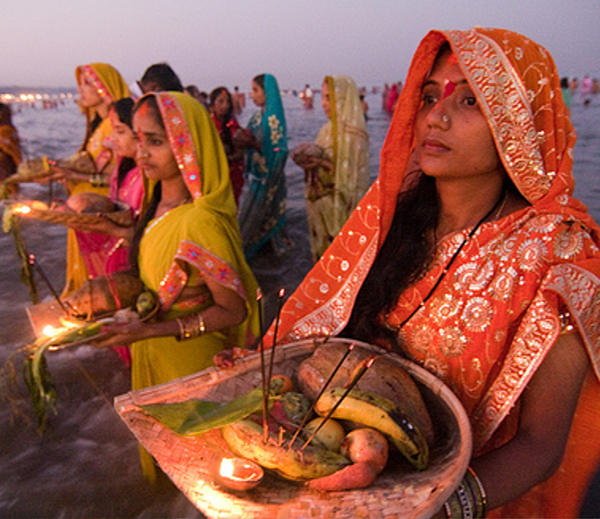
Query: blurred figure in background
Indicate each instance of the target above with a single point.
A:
(10, 145)
(160, 77)
(222, 114)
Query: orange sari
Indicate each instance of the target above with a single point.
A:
(494, 317)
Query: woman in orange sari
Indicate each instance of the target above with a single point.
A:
(494, 267)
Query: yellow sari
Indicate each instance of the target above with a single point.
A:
(189, 244)
(111, 87)
(332, 195)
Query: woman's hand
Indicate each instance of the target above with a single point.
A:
(117, 334)
(227, 358)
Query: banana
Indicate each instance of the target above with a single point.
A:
(372, 410)
(245, 438)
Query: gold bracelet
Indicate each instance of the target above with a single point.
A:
(181, 326)
(201, 324)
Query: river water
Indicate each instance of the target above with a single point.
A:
(85, 465)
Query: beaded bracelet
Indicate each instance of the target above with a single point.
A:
(469, 500)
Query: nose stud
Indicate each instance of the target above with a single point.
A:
(445, 118)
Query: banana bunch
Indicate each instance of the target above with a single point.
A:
(372, 410)
(245, 438)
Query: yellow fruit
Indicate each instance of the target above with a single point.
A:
(330, 435)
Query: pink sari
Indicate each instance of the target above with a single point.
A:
(104, 254)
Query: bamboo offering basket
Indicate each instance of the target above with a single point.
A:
(192, 462)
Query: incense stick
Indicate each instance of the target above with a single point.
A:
(281, 295)
(263, 374)
(366, 365)
(327, 382)
(33, 262)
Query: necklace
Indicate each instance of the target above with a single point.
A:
(496, 210)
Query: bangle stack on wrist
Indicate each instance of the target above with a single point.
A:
(191, 326)
(469, 500)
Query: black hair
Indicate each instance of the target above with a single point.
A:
(406, 254)
(260, 80)
(156, 193)
(225, 132)
(124, 110)
(564, 82)
(162, 77)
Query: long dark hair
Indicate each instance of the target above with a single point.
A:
(124, 110)
(405, 256)
(260, 80)
(156, 193)
(225, 132)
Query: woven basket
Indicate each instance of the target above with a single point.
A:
(398, 492)
(121, 217)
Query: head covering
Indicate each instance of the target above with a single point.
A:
(109, 83)
(350, 142)
(274, 143)
(517, 87)
(201, 159)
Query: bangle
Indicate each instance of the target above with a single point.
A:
(478, 490)
(191, 326)
(469, 500)
(201, 325)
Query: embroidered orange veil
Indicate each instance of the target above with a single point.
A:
(517, 88)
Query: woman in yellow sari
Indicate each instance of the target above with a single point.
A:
(99, 85)
(479, 265)
(337, 169)
(190, 249)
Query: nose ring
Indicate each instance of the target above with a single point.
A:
(445, 118)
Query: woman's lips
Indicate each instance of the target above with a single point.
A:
(434, 145)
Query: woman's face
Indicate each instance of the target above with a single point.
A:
(452, 137)
(221, 106)
(123, 136)
(154, 155)
(258, 94)
(88, 95)
(325, 101)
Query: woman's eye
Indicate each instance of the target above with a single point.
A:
(428, 99)
(470, 101)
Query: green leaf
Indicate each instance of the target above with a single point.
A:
(198, 416)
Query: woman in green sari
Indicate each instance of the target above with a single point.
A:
(336, 167)
(262, 207)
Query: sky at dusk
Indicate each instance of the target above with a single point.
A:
(229, 41)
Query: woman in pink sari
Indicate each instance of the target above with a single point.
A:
(105, 248)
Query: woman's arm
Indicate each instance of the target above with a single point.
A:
(229, 309)
(547, 407)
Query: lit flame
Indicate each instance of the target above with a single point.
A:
(227, 468)
(52, 331)
(21, 209)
